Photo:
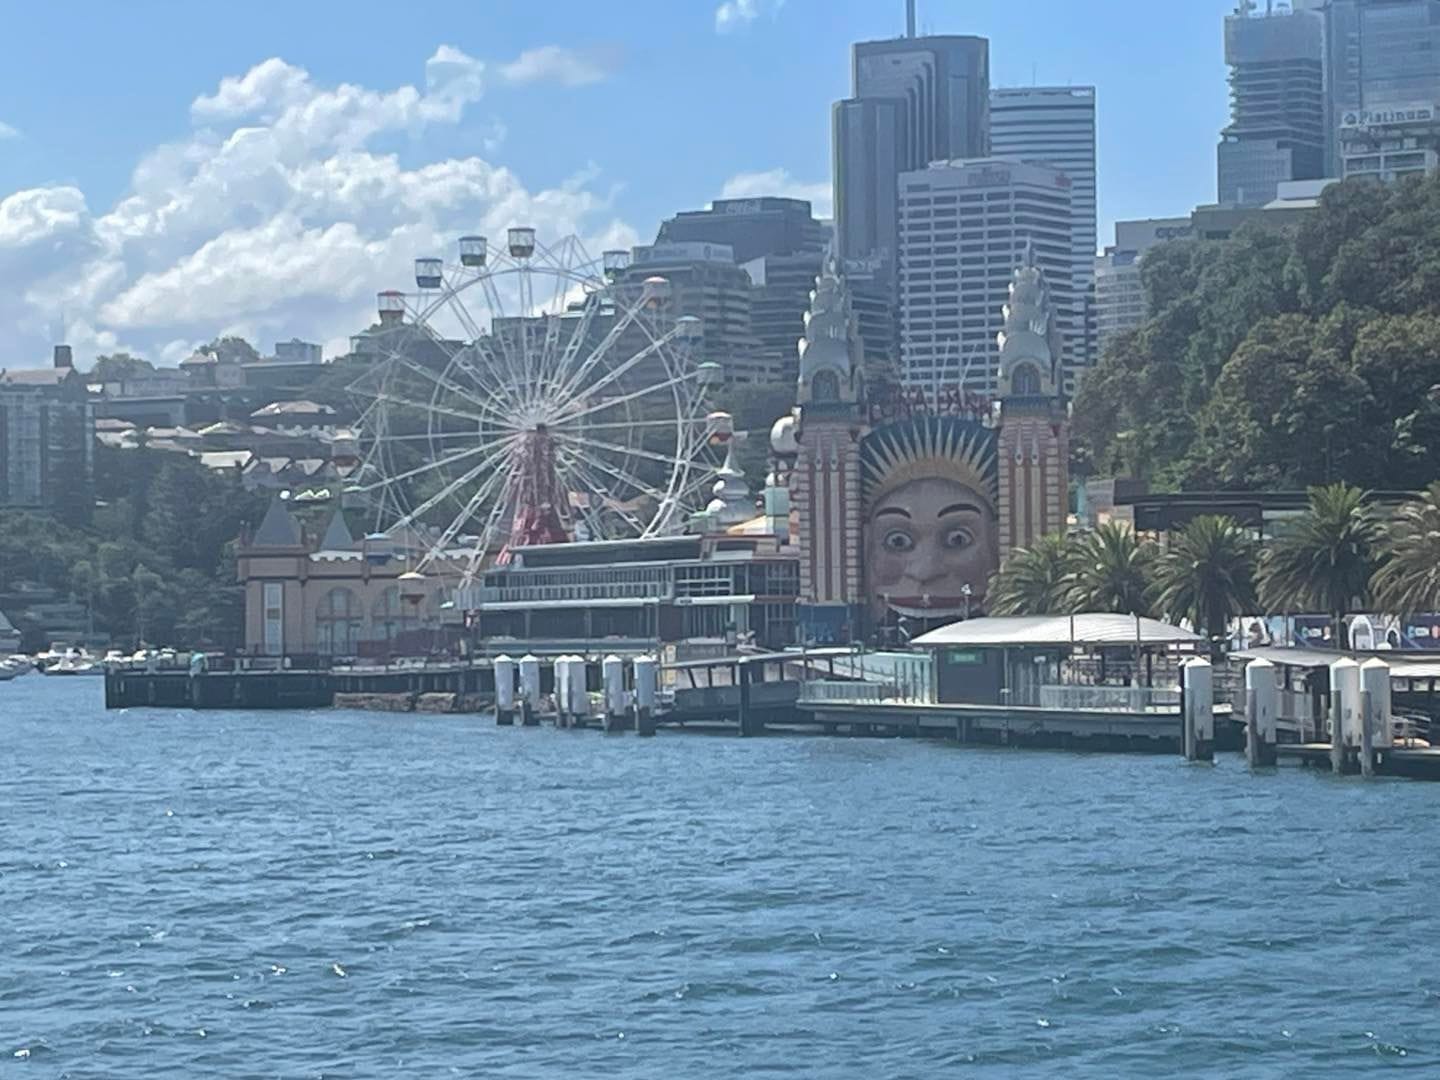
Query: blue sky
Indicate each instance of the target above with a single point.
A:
(176, 171)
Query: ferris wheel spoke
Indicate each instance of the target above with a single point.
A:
(484, 491)
(459, 482)
(578, 336)
(597, 487)
(487, 536)
(443, 383)
(421, 470)
(614, 448)
(454, 355)
(392, 399)
(624, 425)
(487, 415)
(619, 371)
(601, 350)
(559, 258)
(634, 395)
(457, 307)
(611, 470)
(485, 376)
(514, 375)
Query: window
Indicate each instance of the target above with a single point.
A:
(391, 616)
(337, 623)
(1025, 381)
(825, 387)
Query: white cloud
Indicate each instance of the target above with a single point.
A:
(273, 216)
(753, 185)
(735, 14)
(569, 67)
(8, 132)
(267, 86)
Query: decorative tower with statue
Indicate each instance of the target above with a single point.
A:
(905, 501)
(1034, 450)
(825, 478)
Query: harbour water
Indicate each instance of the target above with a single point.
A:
(357, 895)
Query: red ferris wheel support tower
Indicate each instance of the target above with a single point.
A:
(534, 495)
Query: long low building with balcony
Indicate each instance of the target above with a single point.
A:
(685, 593)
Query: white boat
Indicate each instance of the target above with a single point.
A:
(76, 666)
(74, 662)
(12, 667)
(58, 651)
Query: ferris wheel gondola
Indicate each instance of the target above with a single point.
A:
(527, 394)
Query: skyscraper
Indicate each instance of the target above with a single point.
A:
(945, 83)
(779, 297)
(914, 101)
(1384, 66)
(705, 283)
(751, 227)
(870, 147)
(1278, 125)
(780, 245)
(964, 227)
(47, 440)
(1055, 125)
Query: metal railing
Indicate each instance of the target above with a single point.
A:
(604, 590)
(838, 692)
(1130, 699)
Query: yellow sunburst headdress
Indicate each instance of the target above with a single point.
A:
(942, 447)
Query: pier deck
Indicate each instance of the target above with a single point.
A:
(998, 725)
(1416, 763)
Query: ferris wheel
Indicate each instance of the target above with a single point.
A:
(530, 394)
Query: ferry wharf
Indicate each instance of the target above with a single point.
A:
(1096, 683)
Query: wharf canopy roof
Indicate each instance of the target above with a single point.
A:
(1088, 629)
(1403, 664)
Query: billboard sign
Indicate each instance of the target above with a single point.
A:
(1398, 116)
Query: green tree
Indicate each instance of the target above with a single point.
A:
(1034, 580)
(117, 367)
(232, 348)
(1207, 575)
(156, 562)
(1289, 357)
(1112, 572)
(1408, 581)
(1324, 559)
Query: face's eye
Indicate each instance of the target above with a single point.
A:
(898, 540)
(959, 538)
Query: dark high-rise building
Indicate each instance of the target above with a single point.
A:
(870, 148)
(705, 283)
(914, 101)
(1384, 79)
(1278, 127)
(779, 297)
(47, 440)
(780, 245)
(945, 83)
(751, 227)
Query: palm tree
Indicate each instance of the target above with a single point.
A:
(1325, 558)
(1208, 576)
(1111, 571)
(1034, 580)
(1409, 581)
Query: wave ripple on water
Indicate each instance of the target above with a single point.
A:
(337, 894)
